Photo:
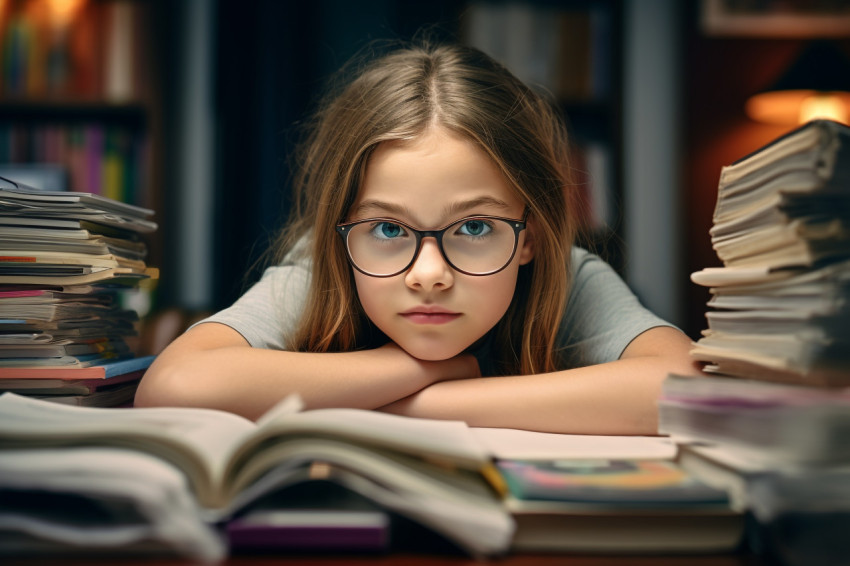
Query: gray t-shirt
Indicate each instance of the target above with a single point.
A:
(601, 318)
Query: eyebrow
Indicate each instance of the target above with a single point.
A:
(379, 207)
(373, 206)
(464, 206)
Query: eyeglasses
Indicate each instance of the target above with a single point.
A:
(475, 245)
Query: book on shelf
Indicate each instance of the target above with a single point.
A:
(562, 50)
(593, 193)
(617, 506)
(781, 226)
(98, 157)
(75, 94)
(432, 472)
(77, 51)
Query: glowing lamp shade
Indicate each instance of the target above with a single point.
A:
(816, 85)
(798, 106)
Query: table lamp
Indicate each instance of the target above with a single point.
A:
(816, 85)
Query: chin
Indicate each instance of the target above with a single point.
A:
(431, 353)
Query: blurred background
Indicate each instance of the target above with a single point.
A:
(191, 108)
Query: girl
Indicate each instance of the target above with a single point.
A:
(430, 271)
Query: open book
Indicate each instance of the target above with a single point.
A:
(432, 472)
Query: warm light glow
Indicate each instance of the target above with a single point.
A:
(823, 105)
(792, 107)
(63, 11)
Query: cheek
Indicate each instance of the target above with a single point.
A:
(369, 291)
(495, 296)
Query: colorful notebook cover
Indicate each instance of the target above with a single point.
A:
(105, 370)
(628, 482)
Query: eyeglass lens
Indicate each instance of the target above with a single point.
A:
(473, 245)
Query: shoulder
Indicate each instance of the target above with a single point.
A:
(267, 314)
(591, 276)
(585, 264)
(603, 315)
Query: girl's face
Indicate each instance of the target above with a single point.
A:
(431, 310)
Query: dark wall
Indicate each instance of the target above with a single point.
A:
(273, 60)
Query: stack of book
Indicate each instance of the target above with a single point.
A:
(782, 230)
(768, 423)
(65, 257)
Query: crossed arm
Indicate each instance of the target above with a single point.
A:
(612, 398)
(213, 366)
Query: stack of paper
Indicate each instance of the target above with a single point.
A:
(64, 259)
(68, 238)
(782, 229)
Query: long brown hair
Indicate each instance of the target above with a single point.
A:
(396, 97)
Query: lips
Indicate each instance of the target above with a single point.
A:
(430, 314)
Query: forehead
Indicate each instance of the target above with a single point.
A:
(432, 176)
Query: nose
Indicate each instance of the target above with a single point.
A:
(429, 270)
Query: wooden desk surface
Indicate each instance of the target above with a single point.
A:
(397, 559)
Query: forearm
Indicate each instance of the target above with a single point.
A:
(613, 398)
(248, 381)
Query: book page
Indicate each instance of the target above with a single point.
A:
(511, 444)
(447, 441)
(139, 502)
(199, 441)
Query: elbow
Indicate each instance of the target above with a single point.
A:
(685, 365)
(163, 385)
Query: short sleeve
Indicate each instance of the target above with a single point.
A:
(602, 316)
(267, 314)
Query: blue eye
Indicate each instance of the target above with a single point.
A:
(475, 227)
(387, 230)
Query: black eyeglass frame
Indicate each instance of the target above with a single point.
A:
(344, 229)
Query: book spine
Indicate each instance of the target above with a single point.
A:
(78, 50)
(94, 148)
(112, 170)
(75, 152)
(119, 66)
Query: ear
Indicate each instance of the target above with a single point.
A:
(526, 250)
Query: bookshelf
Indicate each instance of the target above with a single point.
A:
(79, 100)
